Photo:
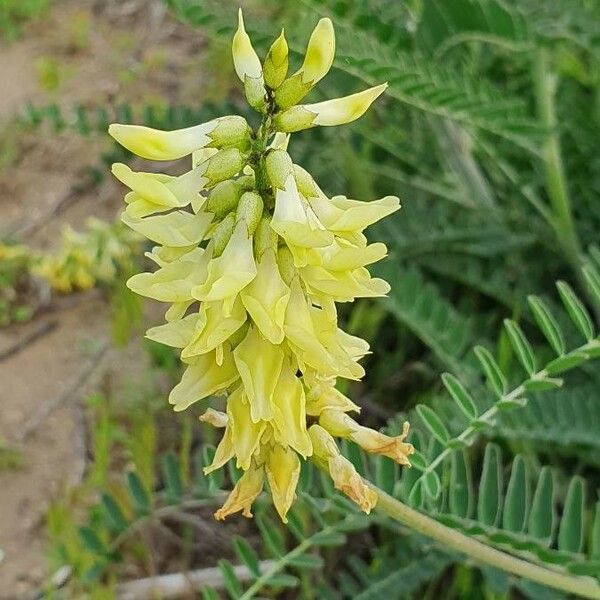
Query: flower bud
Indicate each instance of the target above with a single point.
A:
(285, 263)
(230, 131)
(264, 237)
(279, 166)
(276, 64)
(155, 144)
(215, 418)
(306, 184)
(339, 424)
(256, 94)
(222, 234)
(283, 471)
(321, 396)
(329, 113)
(317, 62)
(223, 198)
(224, 165)
(246, 490)
(344, 475)
(250, 210)
(245, 59)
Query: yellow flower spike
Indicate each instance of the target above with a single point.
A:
(245, 59)
(246, 490)
(155, 144)
(289, 424)
(253, 256)
(203, 378)
(338, 111)
(339, 424)
(283, 471)
(342, 471)
(259, 364)
(245, 431)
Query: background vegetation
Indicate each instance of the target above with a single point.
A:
(489, 134)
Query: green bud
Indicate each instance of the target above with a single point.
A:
(224, 165)
(255, 91)
(306, 184)
(231, 131)
(264, 237)
(276, 64)
(222, 233)
(246, 182)
(279, 167)
(285, 262)
(224, 197)
(250, 209)
(291, 91)
(294, 119)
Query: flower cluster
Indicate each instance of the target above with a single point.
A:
(253, 256)
(86, 258)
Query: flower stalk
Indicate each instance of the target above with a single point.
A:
(585, 587)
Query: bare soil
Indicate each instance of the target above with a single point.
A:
(103, 51)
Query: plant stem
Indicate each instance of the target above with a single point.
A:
(586, 587)
(556, 185)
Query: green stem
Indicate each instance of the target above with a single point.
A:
(586, 587)
(556, 185)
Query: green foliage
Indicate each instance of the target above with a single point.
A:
(14, 13)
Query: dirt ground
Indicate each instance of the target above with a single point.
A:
(103, 51)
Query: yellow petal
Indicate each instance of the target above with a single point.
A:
(228, 274)
(214, 328)
(321, 396)
(204, 378)
(290, 420)
(177, 229)
(246, 490)
(259, 364)
(246, 433)
(176, 334)
(343, 286)
(173, 282)
(344, 110)
(224, 452)
(155, 144)
(283, 470)
(245, 59)
(266, 298)
(341, 214)
(295, 221)
(319, 52)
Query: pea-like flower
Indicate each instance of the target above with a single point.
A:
(253, 256)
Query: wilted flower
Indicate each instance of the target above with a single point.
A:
(253, 257)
